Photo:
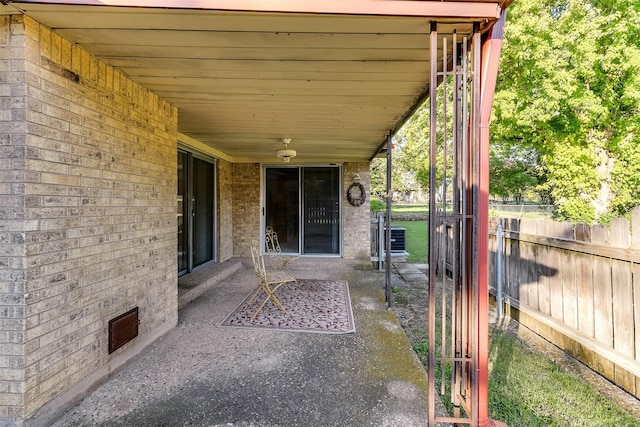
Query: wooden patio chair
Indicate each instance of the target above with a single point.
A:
(277, 261)
(268, 281)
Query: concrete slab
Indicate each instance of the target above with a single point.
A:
(410, 272)
(194, 285)
(202, 374)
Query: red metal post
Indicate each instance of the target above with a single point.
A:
(491, 48)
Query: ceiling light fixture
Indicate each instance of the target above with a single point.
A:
(286, 154)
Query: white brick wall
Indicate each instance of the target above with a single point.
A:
(246, 207)
(88, 168)
(13, 175)
(246, 210)
(355, 220)
(225, 210)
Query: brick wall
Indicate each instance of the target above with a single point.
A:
(98, 166)
(13, 175)
(357, 233)
(246, 207)
(246, 210)
(225, 210)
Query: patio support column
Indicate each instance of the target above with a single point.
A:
(431, 368)
(387, 232)
(491, 47)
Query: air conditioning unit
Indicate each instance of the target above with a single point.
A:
(398, 240)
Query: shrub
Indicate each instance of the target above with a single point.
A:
(377, 205)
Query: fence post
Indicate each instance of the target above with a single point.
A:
(380, 241)
(499, 269)
(635, 227)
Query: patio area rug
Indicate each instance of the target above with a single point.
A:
(322, 306)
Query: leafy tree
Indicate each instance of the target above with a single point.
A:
(570, 89)
(414, 147)
(566, 117)
(378, 178)
(512, 174)
(513, 171)
(402, 181)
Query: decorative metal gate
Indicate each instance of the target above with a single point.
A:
(453, 227)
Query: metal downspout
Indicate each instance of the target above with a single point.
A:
(491, 47)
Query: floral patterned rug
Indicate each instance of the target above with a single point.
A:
(322, 306)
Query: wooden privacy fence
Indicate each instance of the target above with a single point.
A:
(576, 285)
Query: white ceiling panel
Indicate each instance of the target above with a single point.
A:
(335, 83)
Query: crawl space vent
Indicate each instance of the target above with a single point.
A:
(123, 329)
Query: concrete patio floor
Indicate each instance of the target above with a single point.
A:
(202, 374)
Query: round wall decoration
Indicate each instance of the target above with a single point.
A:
(356, 194)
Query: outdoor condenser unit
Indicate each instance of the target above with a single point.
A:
(398, 240)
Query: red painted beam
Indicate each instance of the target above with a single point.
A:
(489, 10)
(491, 47)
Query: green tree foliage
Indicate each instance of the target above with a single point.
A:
(512, 174)
(414, 145)
(513, 171)
(402, 181)
(569, 88)
(413, 153)
(378, 179)
(566, 116)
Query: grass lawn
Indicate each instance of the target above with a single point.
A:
(417, 209)
(416, 240)
(525, 388)
(423, 209)
(416, 234)
(528, 390)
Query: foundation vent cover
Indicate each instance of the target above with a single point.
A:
(123, 329)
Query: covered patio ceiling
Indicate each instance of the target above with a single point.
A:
(336, 77)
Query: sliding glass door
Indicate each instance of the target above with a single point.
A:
(183, 213)
(283, 206)
(321, 214)
(310, 227)
(196, 212)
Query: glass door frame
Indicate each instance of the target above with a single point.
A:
(187, 219)
(263, 207)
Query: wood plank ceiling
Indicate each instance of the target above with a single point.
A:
(336, 84)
